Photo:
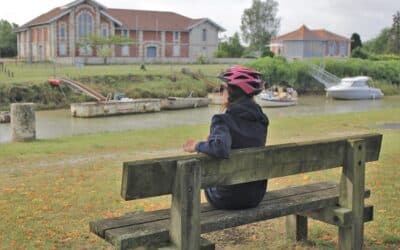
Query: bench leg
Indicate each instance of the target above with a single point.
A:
(296, 227)
(185, 207)
(351, 195)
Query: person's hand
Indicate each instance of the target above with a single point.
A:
(190, 146)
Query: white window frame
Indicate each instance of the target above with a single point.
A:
(332, 48)
(62, 26)
(62, 50)
(176, 50)
(87, 29)
(342, 49)
(177, 36)
(104, 27)
(125, 50)
(204, 35)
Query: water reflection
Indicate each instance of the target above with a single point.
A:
(58, 123)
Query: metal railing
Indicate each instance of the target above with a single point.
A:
(319, 73)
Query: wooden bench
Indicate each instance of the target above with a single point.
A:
(180, 227)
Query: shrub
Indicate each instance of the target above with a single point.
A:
(277, 69)
(359, 53)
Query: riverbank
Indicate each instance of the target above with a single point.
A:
(51, 189)
(59, 123)
(30, 84)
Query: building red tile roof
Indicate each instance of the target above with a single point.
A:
(133, 19)
(152, 20)
(44, 18)
(304, 33)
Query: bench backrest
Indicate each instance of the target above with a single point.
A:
(156, 177)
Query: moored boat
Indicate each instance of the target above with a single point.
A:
(172, 103)
(354, 88)
(109, 108)
(277, 97)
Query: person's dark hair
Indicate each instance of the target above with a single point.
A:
(235, 94)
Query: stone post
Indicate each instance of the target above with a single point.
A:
(23, 124)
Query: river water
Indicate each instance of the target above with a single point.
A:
(59, 123)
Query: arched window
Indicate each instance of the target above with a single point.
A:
(85, 24)
(63, 32)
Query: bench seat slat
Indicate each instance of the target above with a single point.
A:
(99, 227)
(133, 230)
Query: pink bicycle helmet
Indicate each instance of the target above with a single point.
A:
(248, 80)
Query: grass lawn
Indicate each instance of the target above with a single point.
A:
(40, 72)
(51, 189)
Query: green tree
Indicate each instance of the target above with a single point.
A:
(260, 23)
(102, 45)
(8, 39)
(379, 44)
(355, 41)
(394, 40)
(231, 47)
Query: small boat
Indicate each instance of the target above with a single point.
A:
(354, 88)
(277, 97)
(172, 103)
(110, 108)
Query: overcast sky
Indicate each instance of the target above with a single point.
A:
(367, 17)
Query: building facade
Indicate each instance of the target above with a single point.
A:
(155, 36)
(306, 43)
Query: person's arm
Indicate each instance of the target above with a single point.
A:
(219, 142)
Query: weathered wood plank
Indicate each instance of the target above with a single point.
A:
(352, 186)
(244, 165)
(185, 207)
(142, 234)
(99, 227)
(339, 216)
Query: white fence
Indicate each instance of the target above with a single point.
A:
(137, 60)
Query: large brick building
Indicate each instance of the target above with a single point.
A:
(155, 35)
(307, 43)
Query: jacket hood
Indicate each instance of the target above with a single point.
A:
(247, 109)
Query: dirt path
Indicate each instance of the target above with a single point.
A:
(85, 159)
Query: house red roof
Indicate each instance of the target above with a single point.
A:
(304, 33)
(132, 19)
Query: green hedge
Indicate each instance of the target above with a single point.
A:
(278, 69)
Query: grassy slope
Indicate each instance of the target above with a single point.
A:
(39, 73)
(50, 190)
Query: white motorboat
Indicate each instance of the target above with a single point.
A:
(277, 97)
(354, 88)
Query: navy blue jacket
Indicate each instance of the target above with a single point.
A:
(243, 125)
